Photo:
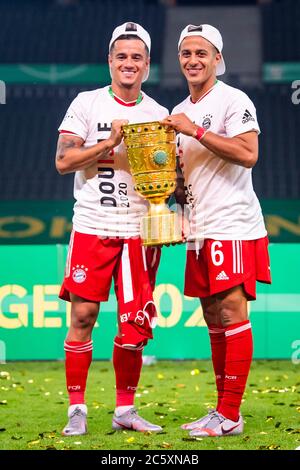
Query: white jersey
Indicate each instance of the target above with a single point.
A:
(223, 204)
(106, 204)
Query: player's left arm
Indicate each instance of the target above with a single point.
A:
(241, 149)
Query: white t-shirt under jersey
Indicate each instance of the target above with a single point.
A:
(107, 204)
(223, 204)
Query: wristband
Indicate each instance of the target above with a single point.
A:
(199, 133)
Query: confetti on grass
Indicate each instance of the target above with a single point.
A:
(4, 375)
(166, 445)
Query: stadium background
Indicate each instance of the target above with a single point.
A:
(50, 51)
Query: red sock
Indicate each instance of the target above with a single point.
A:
(78, 360)
(239, 350)
(127, 365)
(218, 353)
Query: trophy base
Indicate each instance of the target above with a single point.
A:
(161, 228)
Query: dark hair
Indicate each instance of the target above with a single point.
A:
(128, 37)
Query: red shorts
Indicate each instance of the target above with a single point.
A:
(223, 264)
(93, 262)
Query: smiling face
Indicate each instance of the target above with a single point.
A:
(128, 61)
(198, 60)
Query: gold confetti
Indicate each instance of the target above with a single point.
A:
(30, 381)
(271, 447)
(130, 439)
(48, 435)
(160, 376)
(5, 375)
(180, 385)
(77, 443)
(34, 443)
(166, 445)
(269, 418)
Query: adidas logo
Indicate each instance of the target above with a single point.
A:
(247, 117)
(222, 276)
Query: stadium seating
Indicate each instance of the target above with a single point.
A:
(29, 133)
(280, 28)
(79, 33)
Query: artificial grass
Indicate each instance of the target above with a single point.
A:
(33, 407)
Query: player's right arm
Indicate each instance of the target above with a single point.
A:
(71, 156)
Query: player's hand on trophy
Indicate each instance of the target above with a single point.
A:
(116, 133)
(180, 123)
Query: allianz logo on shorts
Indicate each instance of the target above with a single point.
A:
(79, 273)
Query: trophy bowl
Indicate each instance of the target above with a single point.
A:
(151, 149)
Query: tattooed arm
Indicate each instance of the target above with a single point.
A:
(72, 156)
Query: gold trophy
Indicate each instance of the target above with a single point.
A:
(151, 149)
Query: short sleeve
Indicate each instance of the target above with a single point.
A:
(75, 120)
(241, 116)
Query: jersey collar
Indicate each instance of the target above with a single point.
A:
(205, 94)
(122, 102)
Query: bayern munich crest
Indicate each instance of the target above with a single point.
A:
(79, 273)
(207, 121)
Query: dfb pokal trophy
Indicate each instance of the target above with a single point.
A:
(151, 149)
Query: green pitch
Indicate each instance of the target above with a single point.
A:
(33, 406)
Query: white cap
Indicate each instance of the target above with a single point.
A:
(211, 34)
(131, 28)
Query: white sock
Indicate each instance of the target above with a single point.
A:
(120, 410)
(82, 406)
